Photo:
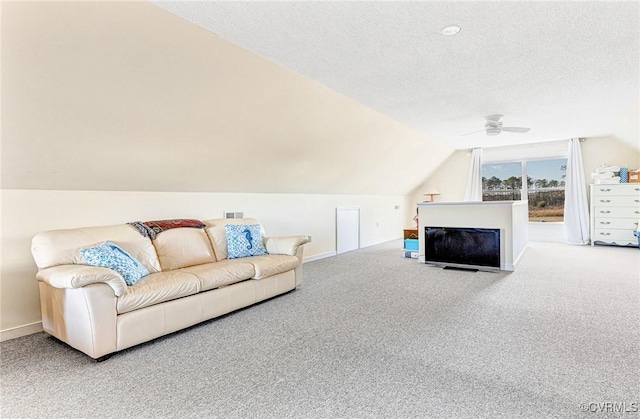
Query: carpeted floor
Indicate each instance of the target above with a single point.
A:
(373, 335)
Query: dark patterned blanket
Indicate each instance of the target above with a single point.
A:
(152, 228)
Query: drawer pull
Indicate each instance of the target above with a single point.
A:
(605, 234)
(606, 223)
(605, 200)
(636, 200)
(607, 212)
(636, 212)
(636, 189)
(604, 190)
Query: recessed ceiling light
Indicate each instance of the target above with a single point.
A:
(451, 30)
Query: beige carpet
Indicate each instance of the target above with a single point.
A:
(373, 335)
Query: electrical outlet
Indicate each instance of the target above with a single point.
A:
(309, 239)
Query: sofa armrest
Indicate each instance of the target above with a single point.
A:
(77, 276)
(285, 245)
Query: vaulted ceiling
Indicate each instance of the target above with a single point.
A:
(564, 69)
(127, 96)
(299, 97)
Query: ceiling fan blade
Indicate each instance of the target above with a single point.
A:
(474, 132)
(516, 129)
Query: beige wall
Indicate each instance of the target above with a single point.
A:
(450, 178)
(610, 151)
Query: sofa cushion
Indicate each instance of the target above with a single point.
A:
(157, 288)
(269, 265)
(218, 234)
(226, 272)
(244, 241)
(182, 247)
(62, 247)
(108, 255)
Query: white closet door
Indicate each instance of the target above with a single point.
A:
(347, 229)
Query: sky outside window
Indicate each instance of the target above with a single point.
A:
(501, 170)
(536, 169)
(547, 169)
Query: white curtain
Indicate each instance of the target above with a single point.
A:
(576, 207)
(474, 181)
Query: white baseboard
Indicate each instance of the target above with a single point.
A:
(16, 332)
(318, 256)
(519, 258)
(508, 267)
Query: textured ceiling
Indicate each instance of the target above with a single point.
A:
(564, 69)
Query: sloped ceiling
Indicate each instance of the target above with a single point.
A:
(564, 69)
(126, 96)
(298, 97)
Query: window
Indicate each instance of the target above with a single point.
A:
(502, 182)
(544, 188)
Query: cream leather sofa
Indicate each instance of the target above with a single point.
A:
(191, 280)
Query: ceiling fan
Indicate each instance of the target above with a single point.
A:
(493, 126)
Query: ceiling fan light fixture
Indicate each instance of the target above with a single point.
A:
(493, 126)
(451, 30)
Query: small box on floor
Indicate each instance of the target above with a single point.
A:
(410, 254)
(411, 244)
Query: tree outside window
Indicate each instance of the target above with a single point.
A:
(544, 188)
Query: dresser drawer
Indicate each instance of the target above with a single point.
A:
(622, 189)
(624, 223)
(622, 237)
(617, 201)
(616, 212)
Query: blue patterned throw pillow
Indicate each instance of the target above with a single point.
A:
(244, 240)
(109, 255)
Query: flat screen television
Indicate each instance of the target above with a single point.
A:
(468, 248)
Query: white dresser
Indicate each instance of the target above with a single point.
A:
(615, 211)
